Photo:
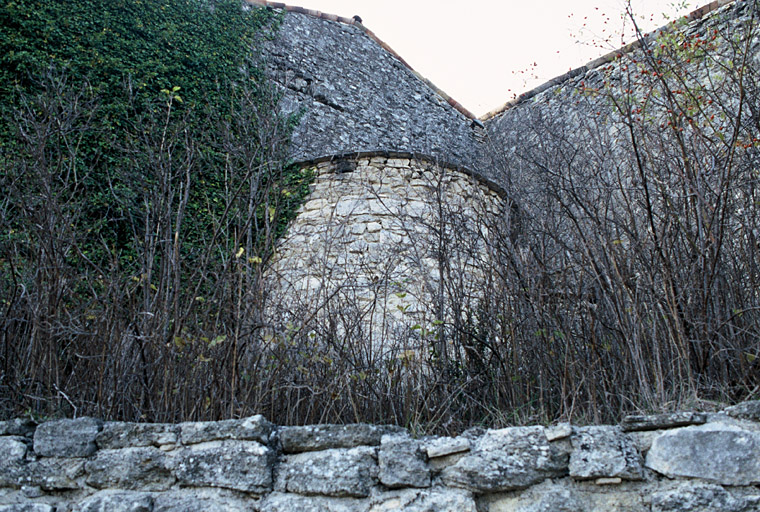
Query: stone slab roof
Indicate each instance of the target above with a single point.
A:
(600, 61)
(356, 95)
(353, 21)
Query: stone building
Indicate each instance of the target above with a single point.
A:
(410, 187)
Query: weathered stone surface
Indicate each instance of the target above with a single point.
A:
(254, 428)
(643, 439)
(119, 434)
(662, 421)
(240, 465)
(746, 410)
(557, 432)
(402, 463)
(52, 473)
(204, 500)
(67, 437)
(443, 446)
(429, 500)
(324, 437)
(117, 501)
(27, 507)
(279, 502)
(144, 468)
(551, 499)
(718, 452)
(506, 459)
(12, 450)
(17, 427)
(604, 452)
(701, 497)
(336, 472)
(568, 495)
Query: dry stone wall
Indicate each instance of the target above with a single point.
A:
(680, 462)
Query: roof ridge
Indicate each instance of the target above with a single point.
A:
(352, 21)
(600, 61)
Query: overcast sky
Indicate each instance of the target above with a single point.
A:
(482, 52)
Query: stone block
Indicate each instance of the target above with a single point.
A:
(702, 497)
(718, 452)
(557, 432)
(12, 456)
(117, 501)
(254, 428)
(323, 437)
(336, 472)
(602, 451)
(428, 500)
(53, 474)
(505, 460)
(204, 500)
(402, 463)
(119, 434)
(67, 437)
(279, 502)
(143, 468)
(662, 421)
(745, 410)
(443, 446)
(240, 465)
(27, 507)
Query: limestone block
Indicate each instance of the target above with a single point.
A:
(67, 437)
(746, 410)
(27, 507)
(506, 459)
(702, 497)
(203, 500)
(279, 502)
(323, 437)
(566, 496)
(117, 501)
(12, 450)
(336, 472)
(443, 446)
(240, 465)
(52, 474)
(717, 452)
(119, 434)
(662, 421)
(602, 451)
(12, 454)
(429, 500)
(557, 432)
(402, 463)
(144, 468)
(550, 499)
(254, 428)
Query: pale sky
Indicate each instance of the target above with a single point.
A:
(483, 52)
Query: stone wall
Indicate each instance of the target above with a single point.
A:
(370, 242)
(685, 462)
